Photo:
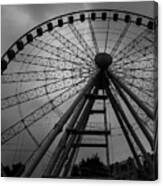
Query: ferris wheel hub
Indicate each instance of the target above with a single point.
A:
(103, 60)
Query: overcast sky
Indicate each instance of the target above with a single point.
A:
(18, 19)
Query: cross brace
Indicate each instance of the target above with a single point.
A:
(101, 145)
(88, 132)
(92, 96)
(97, 111)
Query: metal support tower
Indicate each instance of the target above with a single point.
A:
(76, 119)
(71, 141)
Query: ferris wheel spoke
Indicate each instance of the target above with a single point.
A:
(49, 62)
(82, 42)
(71, 47)
(39, 76)
(142, 90)
(62, 56)
(139, 54)
(93, 36)
(132, 76)
(131, 69)
(39, 113)
(43, 61)
(146, 63)
(146, 76)
(119, 40)
(38, 92)
(63, 52)
(35, 60)
(135, 43)
(66, 43)
(130, 81)
(107, 35)
(135, 55)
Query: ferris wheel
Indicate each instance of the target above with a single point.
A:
(83, 80)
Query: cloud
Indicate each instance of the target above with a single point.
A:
(14, 23)
(18, 19)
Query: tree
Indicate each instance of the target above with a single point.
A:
(90, 168)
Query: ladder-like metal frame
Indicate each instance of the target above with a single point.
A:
(76, 118)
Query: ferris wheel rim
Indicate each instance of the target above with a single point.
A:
(76, 19)
(69, 14)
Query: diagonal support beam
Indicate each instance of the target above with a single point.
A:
(61, 145)
(135, 115)
(134, 135)
(132, 95)
(137, 140)
(125, 131)
(58, 127)
(106, 135)
(80, 125)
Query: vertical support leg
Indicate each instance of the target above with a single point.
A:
(61, 145)
(80, 125)
(135, 115)
(120, 110)
(106, 135)
(73, 155)
(126, 134)
(55, 131)
(70, 163)
(132, 95)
